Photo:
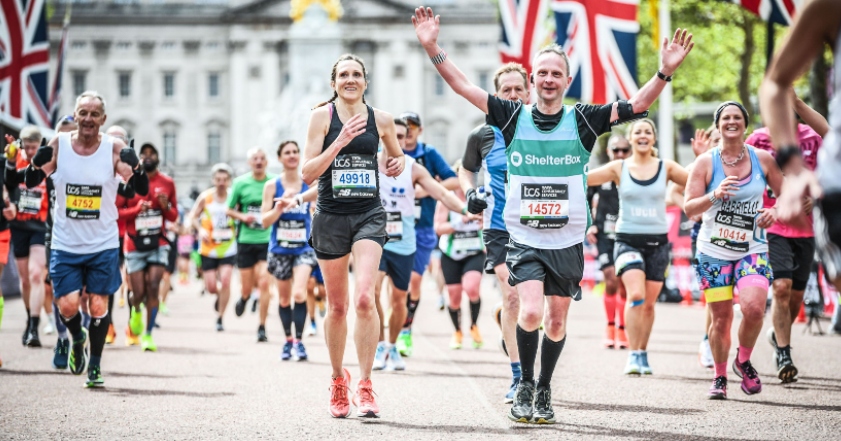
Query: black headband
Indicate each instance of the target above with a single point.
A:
(726, 104)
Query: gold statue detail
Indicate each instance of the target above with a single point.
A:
(333, 8)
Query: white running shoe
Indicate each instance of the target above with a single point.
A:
(705, 354)
(395, 361)
(312, 329)
(380, 357)
(441, 303)
(49, 329)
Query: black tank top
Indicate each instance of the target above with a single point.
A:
(351, 183)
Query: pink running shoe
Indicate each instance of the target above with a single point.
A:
(750, 379)
(339, 403)
(366, 405)
(718, 391)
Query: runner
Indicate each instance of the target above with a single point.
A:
(545, 255)
(147, 250)
(791, 249)
(218, 248)
(28, 229)
(603, 234)
(426, 240)
(398, 200)
(83, 165)
(486, 149)
(727, 188)
(342, 141)
(462, 261)
(642, 245)
(291, 259)
(244, 204)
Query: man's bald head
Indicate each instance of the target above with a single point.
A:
(118, 132)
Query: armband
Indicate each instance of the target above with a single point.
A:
(785, 154)
(625, 110)
(32, 176)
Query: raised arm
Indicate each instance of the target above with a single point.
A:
(676, 172)
(811, 117)
(427, 27)
(609, 172)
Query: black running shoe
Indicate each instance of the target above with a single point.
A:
(79, 354)
(543, 412)
(25, 333)
(254, 305)
(32, 340)
(261, 335)
(61, 353)
(240, 306)
(95, 377)
(523, 407)
(786, 371)
(219, 327)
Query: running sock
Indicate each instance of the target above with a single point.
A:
(286, 319)
(34, 322)
(455, 317)
(110, 303)
(527, 343)
(59, 325)
(412, 306)
(86, 320)
(610, 308)
(474, 311)
(516, 372)
(721, 369)
(620, 311)
(153, 314)
(74, 325)
(744, 354)
(550, 351)
(99, 329)
(299, 316)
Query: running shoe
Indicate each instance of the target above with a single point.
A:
(25, 333)
(718, 391)
(772, 338)
(286, 352)
(750, 379)
(395, 361)
(132, 339)
(645, 369)
(522, 408)
(512, 391)
(49, 329)
(404, 343)
(322, 308)
(339, 404)
(147, 344)
(610, 337)
(633, 365)
(78, 360)
(543, 412)
(455, 343)
(312, 330)
(32, 339)
(135, 322)
(621, 338)
(476, 337)
(441, 303)
(254, 305)
(240, 307)
(705, 354)
(111, 335)
(366, 404)
(261, 335)
(95, 377)
(219, 327)
(380, 356)
(122, 302)
(60, 353)
(163, 309)
(300, 351)
(786, 371)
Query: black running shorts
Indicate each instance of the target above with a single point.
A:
(496, 242)
(791, 258)
(249, 254)
(333, 235)
(560, 271)
(454, 269)
(646, 252)
(605, 246)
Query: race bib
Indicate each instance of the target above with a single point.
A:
(148, 223)
(354, 176)
(291, 233)
(256, 211)
(30, 201)
(83, 202)
(544, 205)
(417, 210)
(466, 242)
(394, 225)
(627, 258)
(610, 225)
(220, 235)
(732, 231)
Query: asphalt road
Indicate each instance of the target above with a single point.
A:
(207, 385)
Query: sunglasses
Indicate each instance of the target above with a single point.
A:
(623, 151)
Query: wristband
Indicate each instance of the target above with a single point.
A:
(786, 153)
(438, 59)
(713, 199)
(464, 211)
(664, 77)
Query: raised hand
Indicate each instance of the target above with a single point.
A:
(672, 54)
(427, 26)
(700, 143)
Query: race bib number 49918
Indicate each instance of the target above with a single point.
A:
(544, 205)
(354, 176)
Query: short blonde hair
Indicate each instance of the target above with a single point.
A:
(511, 67)
(30, 133)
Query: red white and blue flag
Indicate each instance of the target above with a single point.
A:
(524, 29)
(775, 11)
(600, 37)
(24, 62)
(55, 92)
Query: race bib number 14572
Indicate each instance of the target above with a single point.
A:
(544, 205)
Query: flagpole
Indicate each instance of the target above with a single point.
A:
(665, 118)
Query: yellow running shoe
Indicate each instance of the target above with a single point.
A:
(112, 334)
(131, 339)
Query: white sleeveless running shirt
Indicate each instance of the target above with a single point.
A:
(85, 203)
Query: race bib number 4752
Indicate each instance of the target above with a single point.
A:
(83, 202)
(544, 205)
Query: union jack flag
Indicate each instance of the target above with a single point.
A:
(600, 37)
(775, 11)
(524, 29)
(24, 62)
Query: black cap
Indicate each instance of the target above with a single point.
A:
(148, 145)
(411, 118)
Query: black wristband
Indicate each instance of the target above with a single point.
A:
(663, 77)
(785, 154)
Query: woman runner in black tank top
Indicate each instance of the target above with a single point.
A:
(341, 152)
